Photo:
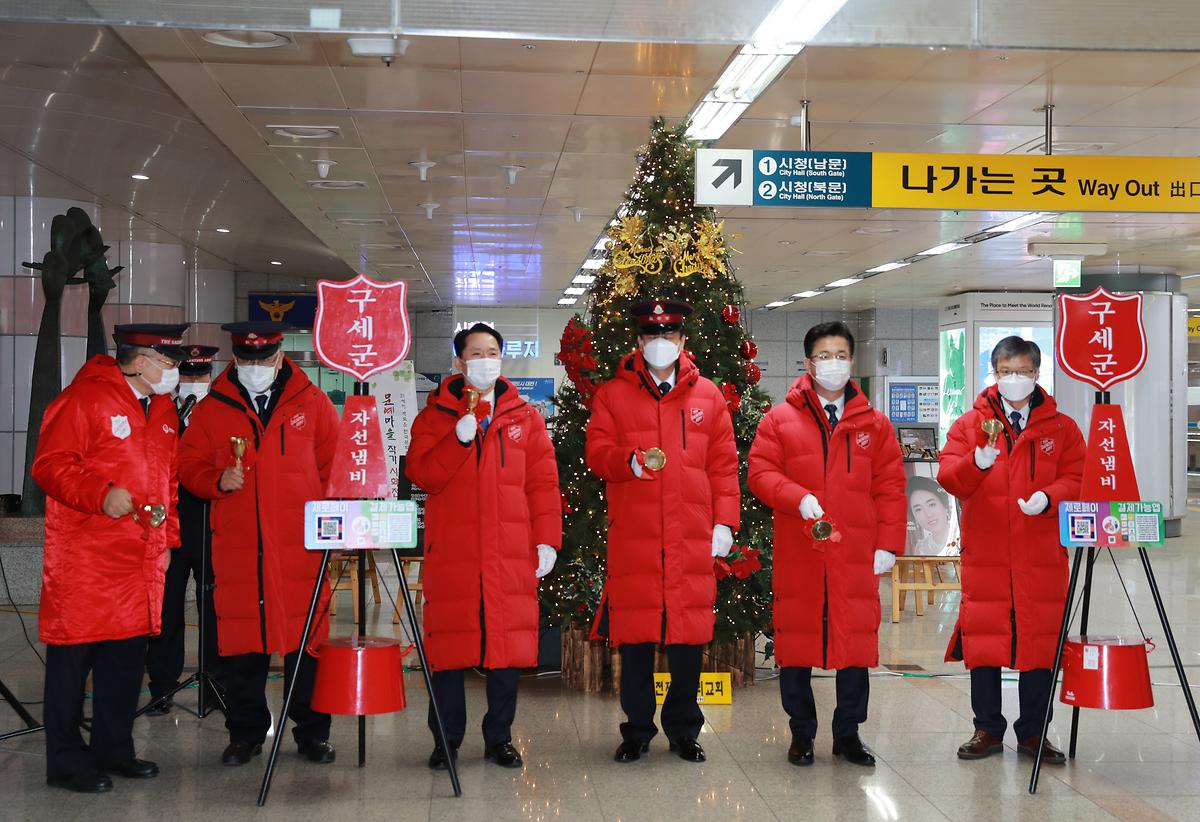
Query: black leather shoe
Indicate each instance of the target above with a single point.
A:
(318, 751)
(852, 749)
(84, 782)
(630, 751)
(437, 759)
(160, 707)
(801, 752)
(239, 753)
(688, 750)
(134, 768)
(504, 755)
(1050, 754)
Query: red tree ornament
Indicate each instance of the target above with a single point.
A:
(732, 397)
(731, 314)
(749, 349)
(753, 373)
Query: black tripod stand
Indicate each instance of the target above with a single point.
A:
(208, 689)
(31, 724)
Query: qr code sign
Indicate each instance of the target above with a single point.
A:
(330, 528)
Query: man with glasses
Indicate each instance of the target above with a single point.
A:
(264, 577)
(1014, 571)
(661, 438)
(106, 458)
(829, 466)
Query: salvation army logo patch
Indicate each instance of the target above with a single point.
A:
(698, 415)
(297, 421)
(120, 426)
(514, 433)
(1047, 445)
(863, 439)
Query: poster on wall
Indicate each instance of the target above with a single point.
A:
(395, 393)
(933, 515)
(952, 378)
(538, 392)
(297, 310)
(912, 399)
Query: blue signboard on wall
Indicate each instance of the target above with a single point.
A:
(821, 179)
(297, 310)
(902, 402)
(537, 391)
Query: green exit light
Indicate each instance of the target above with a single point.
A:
(1068, 273)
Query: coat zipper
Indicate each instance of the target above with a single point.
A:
(501, 451)
(847, 452)
(683, 428)
(1032, 459)
(282, 449)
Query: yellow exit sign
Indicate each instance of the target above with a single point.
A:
(715, 689)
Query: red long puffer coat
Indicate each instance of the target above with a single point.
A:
(490, 504)
(660, 532)
(1014, 571)
(264, 577)
(102, 578)
(826, 611)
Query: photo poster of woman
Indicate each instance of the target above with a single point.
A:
(932, 513)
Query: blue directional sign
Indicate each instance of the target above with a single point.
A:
(816, 179)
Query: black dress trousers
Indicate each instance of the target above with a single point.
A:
(450, 689)
(247, 716)
(1033, 691)
(681, 716)
(116, 668)
(853, 693)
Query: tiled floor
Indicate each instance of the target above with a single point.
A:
(1142, 765)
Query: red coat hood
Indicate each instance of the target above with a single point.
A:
(102, 369)
(802, 395)
(633, 368)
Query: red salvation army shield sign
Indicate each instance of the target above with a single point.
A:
(1101, 339)
(362, 326)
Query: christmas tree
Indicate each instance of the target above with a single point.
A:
(661, 246)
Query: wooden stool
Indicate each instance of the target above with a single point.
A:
(338, 583)
(917, 574)
(417, 587)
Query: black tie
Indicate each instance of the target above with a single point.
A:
(831, 410)
(664, 387)
(1015, 416)
(261, 401)
(145, 401)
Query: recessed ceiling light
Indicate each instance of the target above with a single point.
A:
(804, 295)
(276, 262)
(139, 176)
(338, 185)
(568, 301)
(574, 292)
(222, 230)
(880, 269)
(362, 221)
(382, 246)
(395, 265)
(944, 248)
(584, 279)
(779, 303)
(871, 229)
(306, 132)
(1017, 223)
(817, 253)
(842, 283)
(246, 39)
(601, 244)
(592, 264)
(787, 242)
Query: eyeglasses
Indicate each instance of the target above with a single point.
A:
(825, 356)
(1020, 372)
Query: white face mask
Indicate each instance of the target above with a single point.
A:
(660, 352)
(484, 372)
(199, 390)
(832, 375)
(1015, 387)
(167, 382)
(256, 378)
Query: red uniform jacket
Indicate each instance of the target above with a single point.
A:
(660, 532)
(264, 577)
(1014, 571)
(490, 504)
(826, 610)
(102, 578)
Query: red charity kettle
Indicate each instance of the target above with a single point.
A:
(1106, 672)
(359, 675)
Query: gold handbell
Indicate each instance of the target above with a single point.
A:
(153, 515)
(655, 459)
(993, 428)
(822, 530)
(238, 446)
(472, 399)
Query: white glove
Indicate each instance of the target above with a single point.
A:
(465, 428)
(722, 540)
(1036, 504)
(985, 456)
(884, 560)
(636, 466)
(810, 508)
(546, 558)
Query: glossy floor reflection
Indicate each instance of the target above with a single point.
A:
(1142, 765)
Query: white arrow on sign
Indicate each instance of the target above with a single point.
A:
(724, 177)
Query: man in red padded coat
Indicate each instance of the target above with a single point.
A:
(661, 438)
(264, 578)
(493, 524)
(1014, 571)
(826, 454)
(107, 448)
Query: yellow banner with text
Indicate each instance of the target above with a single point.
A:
(715, 689)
